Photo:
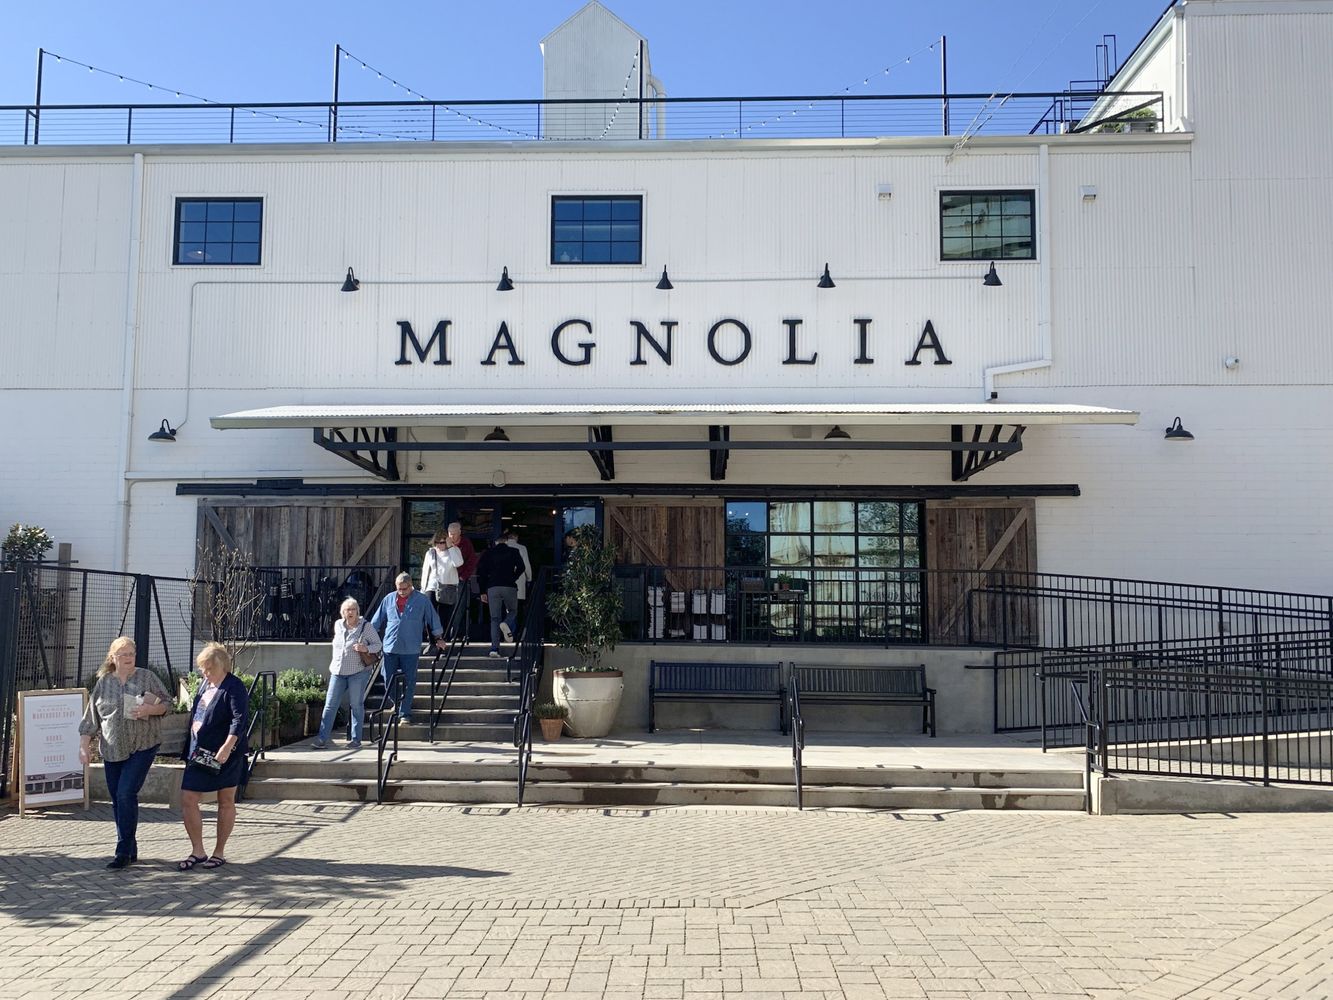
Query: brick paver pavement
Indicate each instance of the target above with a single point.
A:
(344, 901)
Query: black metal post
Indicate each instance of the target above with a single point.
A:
(129, 126)
(37, 110)
(143, 618)
(9, 618)
(333, 110)
(641, 57)
(944, 81)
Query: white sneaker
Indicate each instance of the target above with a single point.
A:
(495, 653)
(507, 632)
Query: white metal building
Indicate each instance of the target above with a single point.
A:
(1145, 276)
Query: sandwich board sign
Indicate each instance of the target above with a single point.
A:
(50, 772)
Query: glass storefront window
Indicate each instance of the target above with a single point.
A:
(834, 516)
(844, 558)
(789, 516)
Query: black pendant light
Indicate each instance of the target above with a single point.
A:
(496, 435)
(665, 285)
(837, 434)
(826, 280)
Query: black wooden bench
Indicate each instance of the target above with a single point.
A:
(874, 685)
(677, 680)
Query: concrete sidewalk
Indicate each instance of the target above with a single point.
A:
(345, 902)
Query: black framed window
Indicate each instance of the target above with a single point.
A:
(854, 560)
(218, 230)
(987, 225)
(597, 230)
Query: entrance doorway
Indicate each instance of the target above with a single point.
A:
(541, 523)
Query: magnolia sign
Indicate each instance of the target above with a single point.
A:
(572, 342)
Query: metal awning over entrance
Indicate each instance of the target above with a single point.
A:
(981, 435)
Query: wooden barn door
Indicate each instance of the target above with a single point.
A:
(970, 542)
(284, 533)
(671, 534)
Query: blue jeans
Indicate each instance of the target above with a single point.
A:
(503, 602)
(123, 780)
(407, 663)
(354, 687)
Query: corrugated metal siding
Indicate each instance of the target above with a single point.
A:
(62, 272)
(1263, 171)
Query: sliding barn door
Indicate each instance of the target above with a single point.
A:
(980, 552)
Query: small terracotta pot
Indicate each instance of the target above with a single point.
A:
(551, 729)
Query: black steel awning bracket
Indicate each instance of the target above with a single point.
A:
(970, 457)
(604, 460)
(371, 449)
(717, 457)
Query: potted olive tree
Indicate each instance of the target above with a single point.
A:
(585, 613)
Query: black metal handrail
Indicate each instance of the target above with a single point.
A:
(1217, 725)
(797, 737)
(391, 701)
(1004, 608)
(572, 119)
(529, 650)
(263, 703)
(442, 678)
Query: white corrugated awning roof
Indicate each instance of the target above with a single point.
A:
(736, 414)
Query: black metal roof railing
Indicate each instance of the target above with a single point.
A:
(689, 118)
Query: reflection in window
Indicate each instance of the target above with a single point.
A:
(217, 230)
(986, 225)
(851, 561)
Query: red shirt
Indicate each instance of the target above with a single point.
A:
(402, 603)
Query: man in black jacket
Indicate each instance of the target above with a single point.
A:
(499, 571)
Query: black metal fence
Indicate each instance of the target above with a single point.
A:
(1000, 608)
(67, 618)
(1032, 688)
(300, 603)
(1211, 723)
(789, 117)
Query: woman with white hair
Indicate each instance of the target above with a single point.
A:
(356, 647)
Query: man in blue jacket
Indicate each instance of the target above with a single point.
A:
(401, 619)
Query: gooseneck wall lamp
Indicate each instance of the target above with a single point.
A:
(497, 435)
(164, 433)
(826, 279)
(1177, 433)
(350, 284)
(505, 284)
(837, 434)
(992, 280)
(664, 284)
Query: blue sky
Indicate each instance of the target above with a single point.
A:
(282, 50)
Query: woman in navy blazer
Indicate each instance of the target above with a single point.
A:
(218, 723)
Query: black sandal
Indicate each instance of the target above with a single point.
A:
(213, 862)
(190, 862)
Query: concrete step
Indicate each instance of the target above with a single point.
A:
(413, 766)
(642, 794)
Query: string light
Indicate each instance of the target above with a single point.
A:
(380, 75)
(905, 61)
(623, 91)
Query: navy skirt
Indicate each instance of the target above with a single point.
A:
(201, 779)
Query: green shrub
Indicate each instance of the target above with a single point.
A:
(550, 710)
(24, 543)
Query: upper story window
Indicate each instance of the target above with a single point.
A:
(218, 230)
(597, 230)
(987, 225)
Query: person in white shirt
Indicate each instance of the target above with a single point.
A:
(439, 576)
(511, 539)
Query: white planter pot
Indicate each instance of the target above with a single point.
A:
(592, 699)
